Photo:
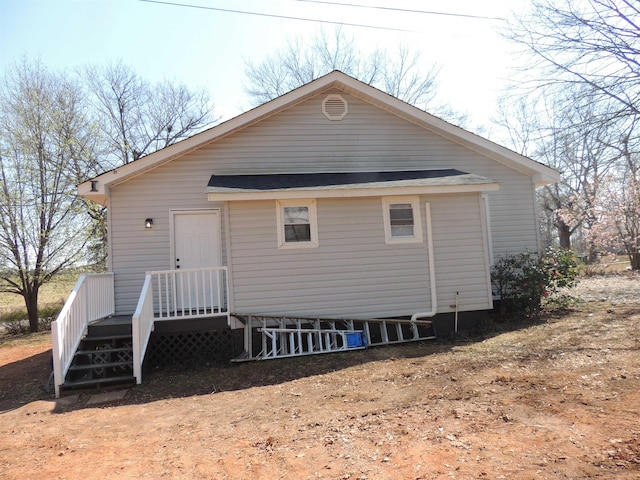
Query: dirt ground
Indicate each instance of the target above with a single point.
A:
(558, 399)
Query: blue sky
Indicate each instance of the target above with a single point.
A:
(208, 48)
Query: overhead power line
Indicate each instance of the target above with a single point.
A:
(202, 7)
(427, 12)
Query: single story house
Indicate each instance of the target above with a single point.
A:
(335, 200)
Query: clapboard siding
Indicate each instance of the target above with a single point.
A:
(460, 256)
(136, 250)
(354, 276)
(303, 140)
(328, 280)
(352, 248)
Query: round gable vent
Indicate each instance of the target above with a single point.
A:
(334, 107)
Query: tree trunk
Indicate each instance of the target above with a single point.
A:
(564, 234)
(634, 258)
(31, 301)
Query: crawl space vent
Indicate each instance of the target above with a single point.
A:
(334, 107)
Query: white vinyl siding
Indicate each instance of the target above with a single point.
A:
(352, 273)
(461, 257)
(136, 250)
(302, 140)
(352, 270)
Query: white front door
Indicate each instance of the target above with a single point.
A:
(196, 239)
(196, 246)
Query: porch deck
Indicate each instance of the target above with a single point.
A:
(128, 320)
(177, 324)
(113, 320)
(180, 295)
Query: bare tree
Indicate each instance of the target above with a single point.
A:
(585, 132)
(52, 137)
(519, 117)
(590, 48)
(139, 118)
(46, 145)
(401, 73)
(617, 207)
(532, 132)
(592, 42)
(569, 131)
(300, 63)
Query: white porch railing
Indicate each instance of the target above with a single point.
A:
(92, 298)
(196, 292)
(141, 326)
(177, 295)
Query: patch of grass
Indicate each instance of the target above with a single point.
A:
(52, 293)
(607, 266)
(13, 313)
(16, 322)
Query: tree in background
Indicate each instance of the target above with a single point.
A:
(401, 74)
(587, 58)
(577, 143)
(589, 42)
(618, 227)
(566, 130)
(56, 131)
(137, 117)
(617, 207)
(47, 144)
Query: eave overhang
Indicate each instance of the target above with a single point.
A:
(343, 185)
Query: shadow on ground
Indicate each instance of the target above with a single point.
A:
(21, 382)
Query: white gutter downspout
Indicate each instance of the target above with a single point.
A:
(432, 270)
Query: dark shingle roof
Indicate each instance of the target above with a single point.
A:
(327, 181)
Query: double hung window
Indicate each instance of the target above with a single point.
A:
(297, 224)
(402, 219)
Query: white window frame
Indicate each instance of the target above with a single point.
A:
(313, 223)
(417, 219)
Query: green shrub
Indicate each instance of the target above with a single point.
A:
(523, 280)
(17, 321)
(48, 314)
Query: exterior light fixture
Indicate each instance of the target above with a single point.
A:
(148, 223)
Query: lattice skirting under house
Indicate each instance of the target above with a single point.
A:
(192, 345)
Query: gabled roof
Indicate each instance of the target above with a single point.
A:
(97, 188)
(356, 184)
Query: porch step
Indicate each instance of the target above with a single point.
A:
(110, 326)
(105, 350)
(102, 359)
(105, 338)
(91, 366)
(99, 382)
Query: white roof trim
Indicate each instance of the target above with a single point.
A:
(543, 174)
